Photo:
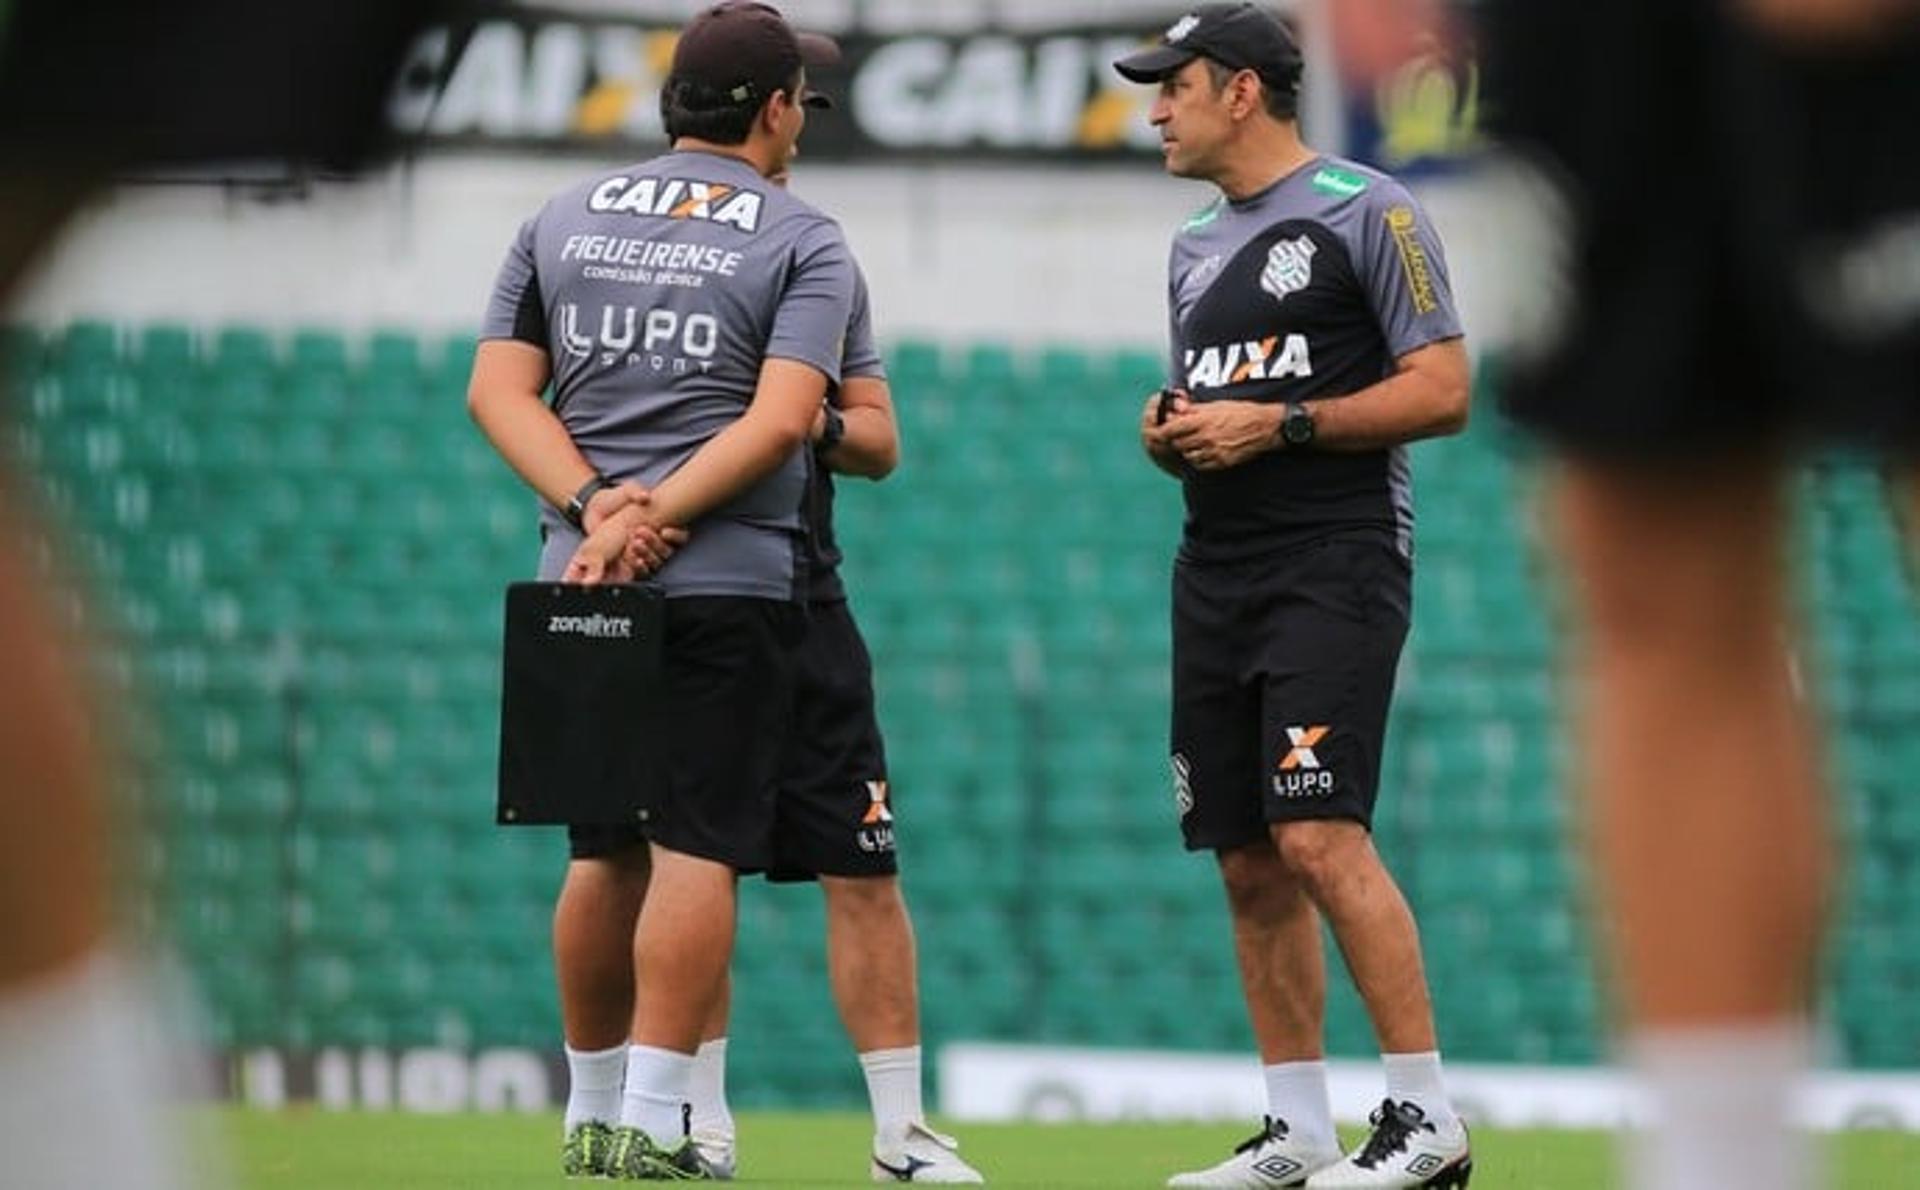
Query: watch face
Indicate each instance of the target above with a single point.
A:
(1298, 427)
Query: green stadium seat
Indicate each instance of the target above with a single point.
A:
(1139, 372)
(452, 367)
(989, 366)
(166, 352)
(25, 395)
(244, 349)
(914, 365)
(88, 346)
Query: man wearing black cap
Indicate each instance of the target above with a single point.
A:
(1314, 336)
(689, 315)
(835, 821)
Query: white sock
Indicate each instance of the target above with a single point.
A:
(1415, 1079)
(707, 1090)
(84, 1047)
(1297, 1093)
(1719, 1102)
(893, 1084)
(656, 1095)
(593, 1085)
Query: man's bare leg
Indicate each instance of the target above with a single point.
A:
(593, 929)
(1707, 829)
(873, 966)
(1339, 870)
(871, 961)
(681, 951)
(1283, 974)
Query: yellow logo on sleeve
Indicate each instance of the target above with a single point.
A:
(1413, 259)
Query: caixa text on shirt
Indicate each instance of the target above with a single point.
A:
(678, 198)
(1270, 358)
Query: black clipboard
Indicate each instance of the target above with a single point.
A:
(580, 699)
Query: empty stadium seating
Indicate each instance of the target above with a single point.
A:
(301, 543)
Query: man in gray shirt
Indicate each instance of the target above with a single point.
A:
(836, 821)
(689, 315)
(1313, 336)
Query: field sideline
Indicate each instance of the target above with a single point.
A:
(317, 1150)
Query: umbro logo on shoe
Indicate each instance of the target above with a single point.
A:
(904, 1171)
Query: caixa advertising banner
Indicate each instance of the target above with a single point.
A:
(527, 80)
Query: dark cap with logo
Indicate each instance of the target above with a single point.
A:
(738, 53)
(1238, 36)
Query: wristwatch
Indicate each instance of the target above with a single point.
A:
(1296, 425)
(576, 509)
(832, 429)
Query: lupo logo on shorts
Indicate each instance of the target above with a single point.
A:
(1300, 773)
(876, 826)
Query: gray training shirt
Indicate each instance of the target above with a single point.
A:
(657, 291)
(1311, 289)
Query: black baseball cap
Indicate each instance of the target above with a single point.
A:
(1238, 36)
(738, 53)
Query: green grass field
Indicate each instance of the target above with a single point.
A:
(312, 1150)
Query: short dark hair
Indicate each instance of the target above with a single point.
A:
(1281, 104)
(694, 109)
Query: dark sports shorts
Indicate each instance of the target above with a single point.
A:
(834, 815)
(1742, 225)
(728, 666)
(1283, 667)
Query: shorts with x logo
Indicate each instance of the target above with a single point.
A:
(1283, 669)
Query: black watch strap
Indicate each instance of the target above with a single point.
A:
(832, 431)
(576, 509)
(1296, 425)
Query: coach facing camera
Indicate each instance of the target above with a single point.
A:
(1314, 336)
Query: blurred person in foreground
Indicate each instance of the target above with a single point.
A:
(1734, 191)
(836, 818)
(89, 88)
(1314, 337)
(690, 314)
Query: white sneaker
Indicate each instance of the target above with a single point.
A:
(1269, 1158)
(1404, 1151)
(715, 1151)
(923, 1155)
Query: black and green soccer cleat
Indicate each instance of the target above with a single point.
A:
(588, 1150)
(636, 1158)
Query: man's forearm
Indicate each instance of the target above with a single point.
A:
(1405, 407)
(533, 442)
(871, 447)
(732, 461)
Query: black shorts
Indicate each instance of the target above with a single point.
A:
(834, 816)
(1283, 668)
(728, 666)
(1742, 230)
